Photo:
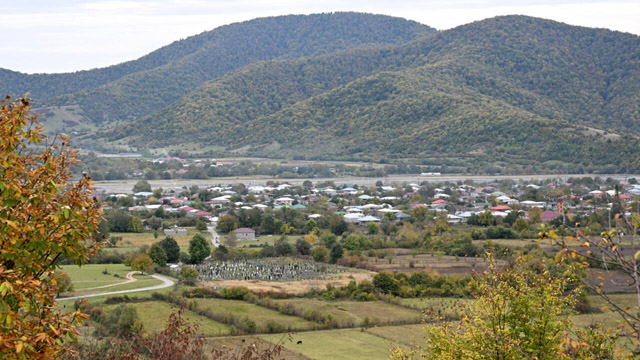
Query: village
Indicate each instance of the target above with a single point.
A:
(385, 204)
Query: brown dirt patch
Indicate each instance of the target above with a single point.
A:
(293, 287)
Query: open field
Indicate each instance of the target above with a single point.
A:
(267, 320)
(264, 239)
(90, 276)
(154, 314)
(409, 335)
(135, 240)
(136, 295)
(437, 264)
(351, 313)
(261, 344)
(346, 344)
(449, 308)
(295, 287)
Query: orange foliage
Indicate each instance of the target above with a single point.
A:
(44, 216)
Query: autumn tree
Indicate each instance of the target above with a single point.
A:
(142, 263)
(44, 217)
(521, 313)
(617, 249)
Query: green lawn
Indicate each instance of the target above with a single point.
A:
(263, 317)
(402, 335)
(89, 276)
(345, 344)
(136, 295)
(154, 315)
(353, 313)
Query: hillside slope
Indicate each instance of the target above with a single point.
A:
(137, 88)
(511, 89)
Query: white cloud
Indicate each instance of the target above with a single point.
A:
(72, 34)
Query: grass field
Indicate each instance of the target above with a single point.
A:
(136, 295)
(408, 335)
(90, 276)
(264, 318)
(607, 317)
(449, 308)
(262, 240)
(236, 342)
(154, 314)
(135, 240)
(346, 344)
(353, 313)
(438, 264)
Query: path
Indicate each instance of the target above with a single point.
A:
(130, 279)
(166, 282)
(215, 238)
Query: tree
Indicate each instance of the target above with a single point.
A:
(310, 225)
(227, 223)
(269, 225)
(119, 221)
(123, 321)
(336, 253)
(157, 254)
(199, 249)
(135, 225)
(142, 263)
(44, 217)
(303, 247)
(283, 248)
(311, 238)
(187, 272)
(338, 225)
(385, 281)
(320, 253)
(231, 240)
(372, 228)
(486, 218)
(521, 313)
(612, 250)
(171, 249)
(141, 186)
(535, 215)
(63, 281)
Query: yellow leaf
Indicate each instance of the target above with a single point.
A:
(635, 257)
(19, 347)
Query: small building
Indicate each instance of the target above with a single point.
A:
(245, 234)
(175, 232)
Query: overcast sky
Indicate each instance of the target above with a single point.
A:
(69, 35)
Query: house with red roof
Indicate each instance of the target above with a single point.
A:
(500, 208)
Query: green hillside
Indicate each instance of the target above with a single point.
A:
(137, 88)
(502, 92)
(508, 90)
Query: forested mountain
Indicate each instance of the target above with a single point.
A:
(506, 91)
(512, 89)
(152, 82)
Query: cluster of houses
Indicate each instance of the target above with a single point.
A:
(364, 205)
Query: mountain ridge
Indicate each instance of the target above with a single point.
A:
(504, 91)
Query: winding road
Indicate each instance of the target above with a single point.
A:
(166, 282)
